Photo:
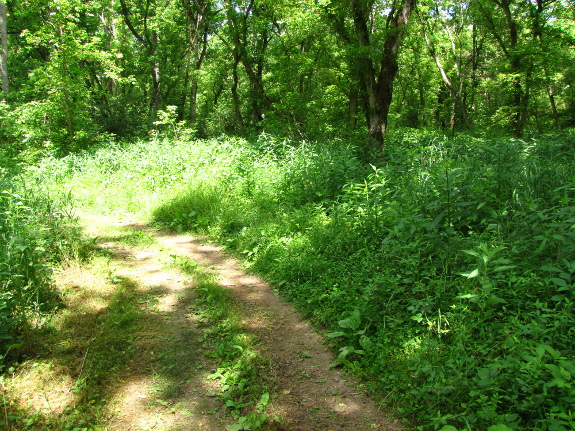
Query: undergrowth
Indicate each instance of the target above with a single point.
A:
(444, 275)
(37, 232)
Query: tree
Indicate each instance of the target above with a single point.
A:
(148, 39)
(375, 62)
(4, 49)
(249, 29)
(199, 14)
(452, 21)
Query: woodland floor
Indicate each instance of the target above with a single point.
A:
(148, 392)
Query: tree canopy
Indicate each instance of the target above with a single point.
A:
(308, 68)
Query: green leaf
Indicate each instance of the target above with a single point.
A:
(417, 317)
(448, 428)
(503, 268)
(352, 322)
(493, 151)
(466, 296)
(336, 334)
(471, 274)
(550, 268)
(433, 225)
(344, 351)
(365, 342)
(494, 300)
(559, 282)
(541, 246)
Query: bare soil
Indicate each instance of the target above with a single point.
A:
(307, 394)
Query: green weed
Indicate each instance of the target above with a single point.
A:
(37, 232)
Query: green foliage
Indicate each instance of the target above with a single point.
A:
(168, 126)
(429, 269)
(444, 276)
(37, 231)
(52, 108)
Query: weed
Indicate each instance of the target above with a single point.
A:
(37, 231)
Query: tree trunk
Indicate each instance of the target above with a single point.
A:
(353, 105)
(520, 97)
(4, 49)
(235, 98)
(197, 13)
(551, 96)
(455, 93)
(380, 88)
(150, 44)
(538, 37)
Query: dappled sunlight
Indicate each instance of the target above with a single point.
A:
(85, 289)
(165, 384)
(127, 349)
(137, 354)
(133, 408)
(311, 395)
(42, 387)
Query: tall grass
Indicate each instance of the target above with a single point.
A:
(37, 231)
(444, 276)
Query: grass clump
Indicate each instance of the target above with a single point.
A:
(37, 232)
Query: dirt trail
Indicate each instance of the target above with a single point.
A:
(307, 394)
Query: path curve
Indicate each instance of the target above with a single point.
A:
(307, 394)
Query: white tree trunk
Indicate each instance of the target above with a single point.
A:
(4, 53)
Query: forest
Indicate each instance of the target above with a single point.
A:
(401, 171)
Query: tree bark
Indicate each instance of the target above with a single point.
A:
(150, 45)
(198, 14)
(378, 87)
(4, 49)
(250, 56)
(383, 88)
(235, 97)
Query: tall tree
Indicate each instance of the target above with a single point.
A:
(506, 32)
(250, 33)
(199, 14)
(449, 23)
(148, 38)
(376, 60)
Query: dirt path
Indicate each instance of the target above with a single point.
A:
(306, 393)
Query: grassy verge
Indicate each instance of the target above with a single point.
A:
(37, 233)
(64, 386)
